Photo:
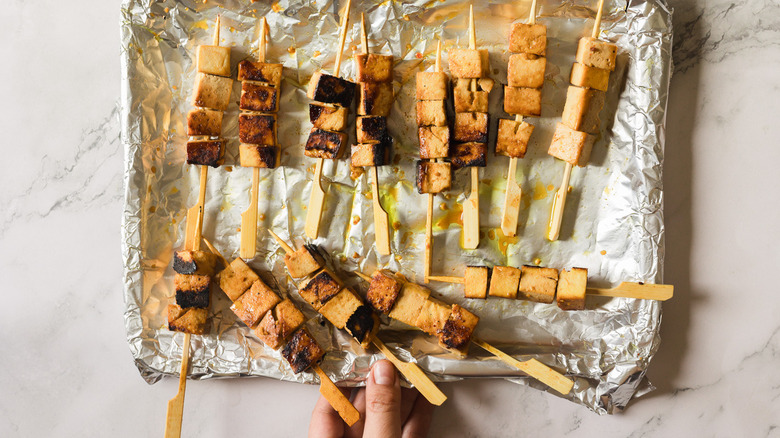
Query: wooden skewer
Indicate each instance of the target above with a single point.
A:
(471, 207)
(317, 197)
(176, 404)
(429, 216)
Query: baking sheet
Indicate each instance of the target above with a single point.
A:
(613, 223)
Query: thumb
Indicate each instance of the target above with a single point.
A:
(383, 402)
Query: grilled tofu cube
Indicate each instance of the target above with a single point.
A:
(524, 101)
(303, 262)
(434, 141)
(363, 325)
(214, 60)
(433, 177)
(259, 97)
(589, 77)
(367, 155)
(203, 121)
(596, 53)
(206, 152)
(476, 280)
(374, 68)
(513, 137)
(471, 154)
(526, 70)
(320, 289)
(325, 144)
(279, 324)
(467, 101)
(483, 84)
(504, 281)
(254, 303)
(431, 113)
(328, 117)
(376, 98)
(371, 129)
(468, 63)
(338, 309)
(255, 155)
(192, 290)
(192, 320)
(257, 129)
(528, 38)
(471, 127)
(236, 279)
(571, 289)
(433, 316)
(582, 109)
(194, 262)
(571, 146)
(260, 72)
(457, 331)
(383, 290)
(409, 304)
(538, 284)
(212, 91)
(431, 85)
(302, 351)
(326, 88)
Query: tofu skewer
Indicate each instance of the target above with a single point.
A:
(429, 216)
(471, 207)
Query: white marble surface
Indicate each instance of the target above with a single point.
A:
(67, 370)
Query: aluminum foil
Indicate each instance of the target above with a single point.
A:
(613, 223)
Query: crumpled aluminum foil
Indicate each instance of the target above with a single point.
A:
(613, 223)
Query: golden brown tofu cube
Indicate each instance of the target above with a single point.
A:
(279, 324)
(192, 290)
(483, 84)
(581, 112)
(589, 77)
(328, 117)
(528, 38)
(303, 262)
(504, 281)
(471, 154)
(363, 325)
(596, 53)
(212, 91)
(526, 70)
(194, 262)
(513, 137)
(326, 88)
(193, 320)
(376, 98)
(320, 289)
(538, 284)
(434, 141)
(432, 85)
(468, 63)
(431, 113)
(254, 303)
(409, 303)
(476, 280)
(433, 177)
(236, 279)
(260, 72)
(338, 309)
(571, 290)
(374, 68)
(302, 351)
(255, 155)
(214, 60)
(203, 121)
(457, 331)
(571, 146)
(325, 144)
(206, 152)
(433, 316)
(467, 101)
(471, 127)
(257, 129)
(383, 290)
(259, 97)
(524, 101)
(367, 155)
(371, 129)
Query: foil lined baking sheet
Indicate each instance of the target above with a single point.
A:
(613, 223)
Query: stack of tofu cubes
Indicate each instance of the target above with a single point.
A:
(470, 93)
(194, 270)
(433, 174)
(374, 76)
(211, 96)
(574, 135)
(328, 114)
(257, 123)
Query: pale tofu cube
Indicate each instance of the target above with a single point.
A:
(538, 284)
(302, 351)
(255, 155)
(374, 68)
(433, 316)
(325, 144)
(528, 38)
(371, 129)
(363, 325)
(376, 98)
(214, 60)
(512, 139)
(457, 331)
(320, 289)
(571, 146)
(409, 303)
(338, 309)
(204, 121)
(476, 280)
(266, 73)
(194, 262)
(279, 324)
(259, 97)
(571, 290)
(252, 306)
(589, 77)
(596, 53)
(326, 88)
(367, 155)
(192, 290)
(526, 70)
(303, 262)
(328, 117)
(383, 290)
(504, 281)
(581, 112)
(257, 129)
(526, 102)
(236, 279)
(432, 85)
(471, 127)
(433, 177)
(193, 320)
(434, 141)
(470, 101)
(470, 154)
(468, 63)
(431, 113)
(206, 152)
(212, 91)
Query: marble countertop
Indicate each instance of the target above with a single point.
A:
(68, 371)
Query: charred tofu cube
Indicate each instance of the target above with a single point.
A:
(471, 154)
(524, 101)
(467, 101)
(528, 38)
(589, 77)
(279, 324)
(468, 63)
(383, 291)
(194, 262)
(471, 127)
(319, 290)
(212, 91)
(371, 129)
(203, 121)
(433, 177)
(367, 155)
(325, 144)
(571, 146)
(433, 316)
(192, 320)
(236, 279)
(330, 89)
(571, 289)
(538, 284)
(252, 306)
(476, 281)
(214, 60)
(328, 117)
(581, 112)
(432, 85)
(303, 262)
(526, 70)
(431, 113)
(259, 97)
(206, 152)
(302, 351)
(513, 137)
(504, 281)
(363, 325)
(409, 303)
(257, 129)
(255, 155)
(596, 53)
(376, 98)
(434, 142)
(374, 68)
(457, 331)
(338, 309)
(260, 72)
(192, 290)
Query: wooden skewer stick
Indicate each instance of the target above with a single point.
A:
(429, 216)
(471, 207)
(176, 404)
(317, 197)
